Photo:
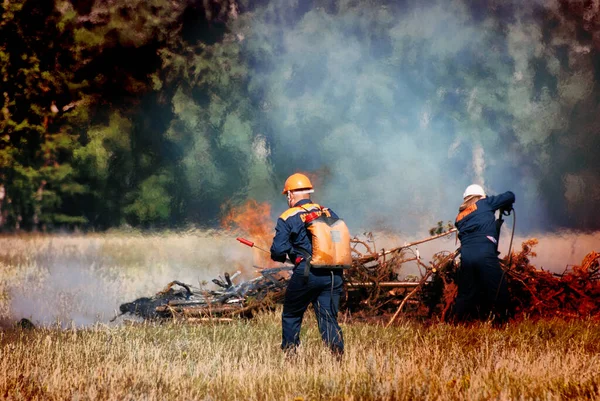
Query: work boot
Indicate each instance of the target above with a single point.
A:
(338, 353)
(290, 353)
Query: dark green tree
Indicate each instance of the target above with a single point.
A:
(37, 90)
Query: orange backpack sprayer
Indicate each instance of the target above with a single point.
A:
(330, 239)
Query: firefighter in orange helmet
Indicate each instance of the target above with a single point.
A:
(320, 287)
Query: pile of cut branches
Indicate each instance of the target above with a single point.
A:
(373, 289)
(575, 293)
(180, 300)
(534, 293)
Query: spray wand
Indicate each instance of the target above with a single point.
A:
(251, 244)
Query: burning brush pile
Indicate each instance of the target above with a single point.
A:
(373, 288)
(534, 293)
(575, 293)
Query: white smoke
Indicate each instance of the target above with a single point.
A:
(404, 105)
(554, 252)
(83, 279)
(479, 164)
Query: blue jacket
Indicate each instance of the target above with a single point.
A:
(291, 235)
(477, 223)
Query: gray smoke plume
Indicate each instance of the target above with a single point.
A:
(396, 107)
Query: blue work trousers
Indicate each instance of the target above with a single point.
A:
(323, 289)
(482, 289)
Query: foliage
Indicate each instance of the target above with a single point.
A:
(35, 149)
(441, 228)
(392, 105)
(151, 202)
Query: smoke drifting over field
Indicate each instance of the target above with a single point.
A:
(395, 108)
(83, 280)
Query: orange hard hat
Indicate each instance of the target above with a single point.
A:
(296, 182)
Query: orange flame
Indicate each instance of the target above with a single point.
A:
(253, 220)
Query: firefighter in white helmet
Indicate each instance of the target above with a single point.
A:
(482, 291)
(312, 282)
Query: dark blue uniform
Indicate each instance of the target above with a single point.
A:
(322, 288)
(480, 279)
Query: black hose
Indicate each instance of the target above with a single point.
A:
(512, 235)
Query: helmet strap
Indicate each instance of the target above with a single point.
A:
(303, 191)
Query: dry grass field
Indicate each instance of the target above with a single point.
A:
(242, 361)
(70, 286)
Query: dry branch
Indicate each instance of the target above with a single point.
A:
(383, 253)
(406, 298)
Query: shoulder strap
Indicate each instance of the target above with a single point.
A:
(321, 211)
(290, 212)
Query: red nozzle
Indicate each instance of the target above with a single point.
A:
(250, 244)
(245, 242)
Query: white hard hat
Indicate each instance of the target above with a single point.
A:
(474, 189)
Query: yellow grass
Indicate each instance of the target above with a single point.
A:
(242, 360)
(551, 360)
